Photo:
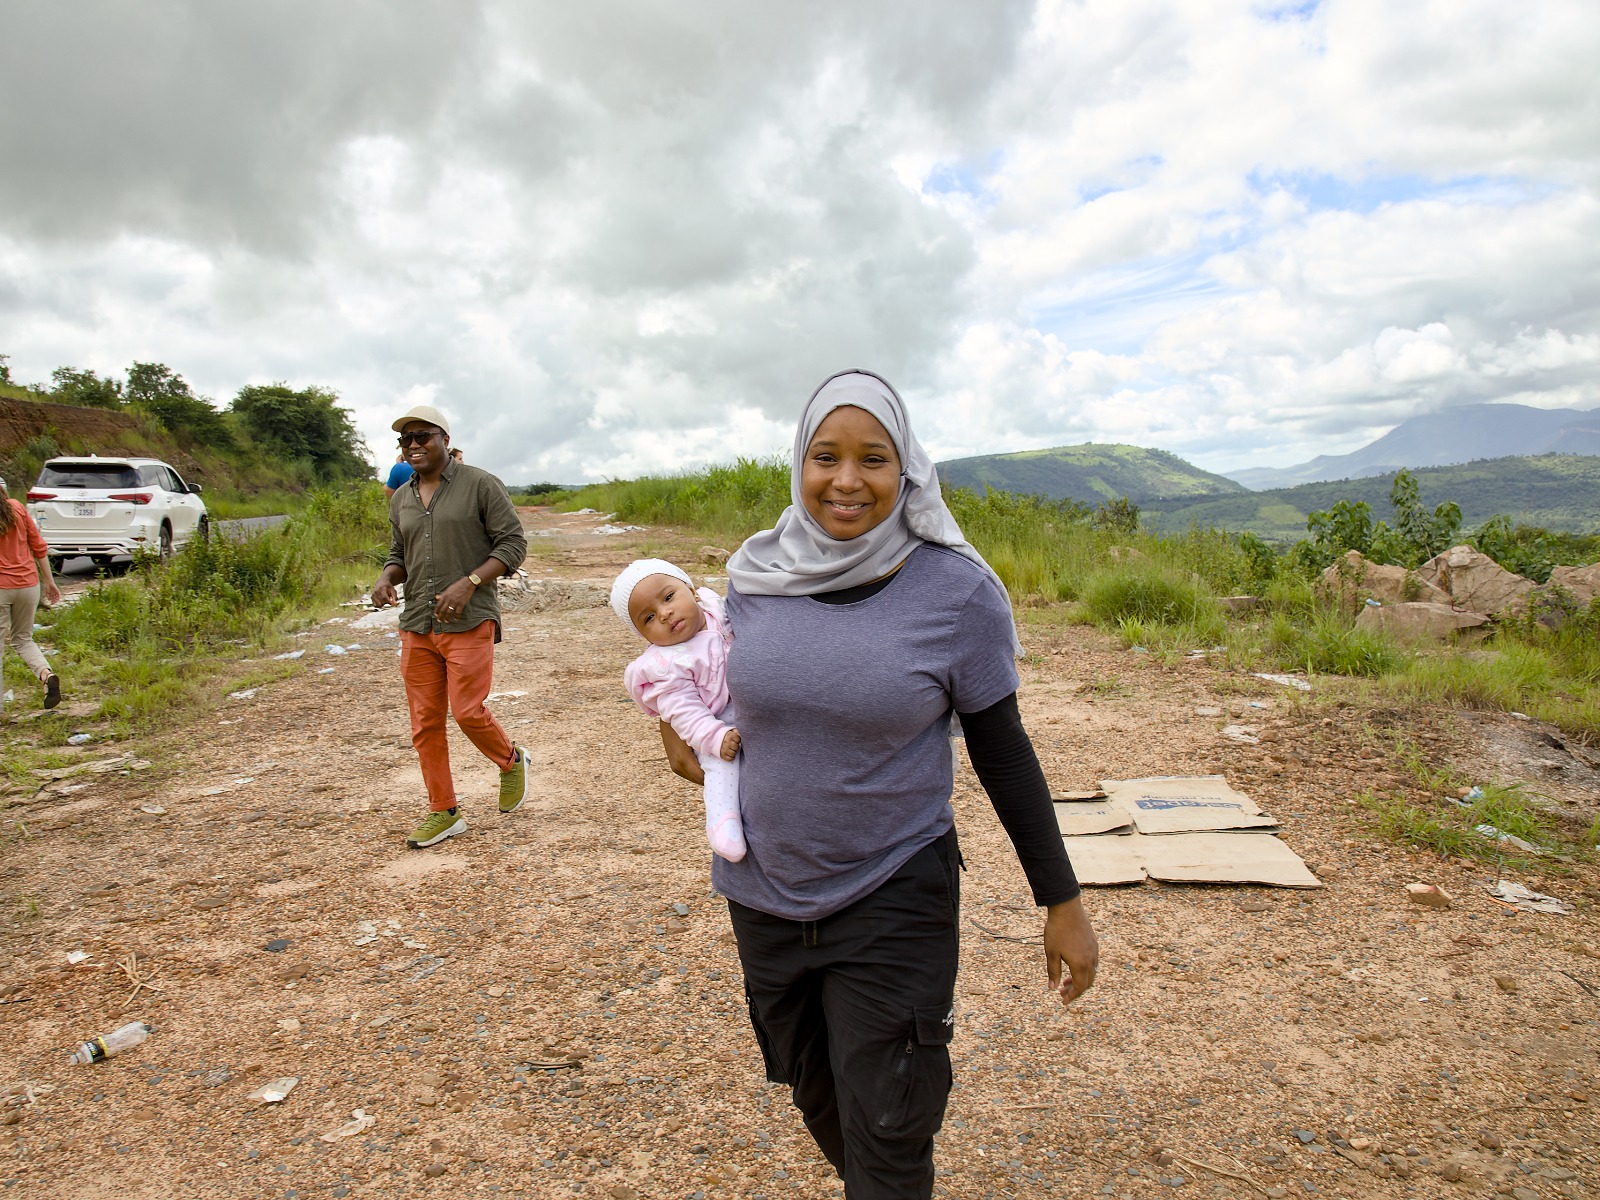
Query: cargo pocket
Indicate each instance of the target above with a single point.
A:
(917, 1083)
(769, 1060)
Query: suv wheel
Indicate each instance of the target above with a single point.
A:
(166, 540)
(203, 530)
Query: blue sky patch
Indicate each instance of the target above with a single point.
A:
(965, 176)
(1304, 10)
(1324, 191)
(1115, 310)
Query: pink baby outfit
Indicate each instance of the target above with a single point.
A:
(687, 685)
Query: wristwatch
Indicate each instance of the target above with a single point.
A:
(476, 582)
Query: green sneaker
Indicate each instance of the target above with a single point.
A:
(514, 783)
(439, 825)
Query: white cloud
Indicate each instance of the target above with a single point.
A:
(621, 237)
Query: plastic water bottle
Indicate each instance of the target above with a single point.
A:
(113, 1043)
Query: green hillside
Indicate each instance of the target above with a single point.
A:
(263, 453)
(1090, 474)
(1560, 492)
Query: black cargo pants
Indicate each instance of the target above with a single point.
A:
(855, 1013)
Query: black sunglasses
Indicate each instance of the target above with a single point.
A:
(420, 437)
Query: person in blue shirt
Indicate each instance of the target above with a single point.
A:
(398, 474)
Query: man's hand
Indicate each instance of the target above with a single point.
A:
(1069, 943)
(383, 594)
(730, 745)
(449, 604)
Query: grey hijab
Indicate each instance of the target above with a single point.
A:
(796, 557)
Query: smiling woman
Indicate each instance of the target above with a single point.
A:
(861, 623)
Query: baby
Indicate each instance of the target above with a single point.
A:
(682, 679)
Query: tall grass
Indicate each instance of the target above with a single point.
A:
(226, 587)
(1549, 675)
(1469, 831)
(1160, 592)
(729, 501)
(147, 643)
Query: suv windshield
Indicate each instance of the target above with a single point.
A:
(104, 476)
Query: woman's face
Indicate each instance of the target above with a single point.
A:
(850, 478)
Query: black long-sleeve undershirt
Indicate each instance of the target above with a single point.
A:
(1006, 765)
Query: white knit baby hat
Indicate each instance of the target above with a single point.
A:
(636, 571)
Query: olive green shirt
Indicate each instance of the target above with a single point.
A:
(470, 520)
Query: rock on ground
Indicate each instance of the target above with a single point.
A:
(1476, 582)
(1354, 578)
(1419, 620)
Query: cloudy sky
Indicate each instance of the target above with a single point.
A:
(623, 236)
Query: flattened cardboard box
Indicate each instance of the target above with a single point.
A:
(1105, 860)
(1185, 804)
(1081, 818)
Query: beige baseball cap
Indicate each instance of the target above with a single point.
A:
(423, 412)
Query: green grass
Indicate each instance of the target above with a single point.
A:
(1160, 591)
(1151, 594)
(1550, 676)
(1448, 829)
(1325, 643)
(154, 643)
(727, 501)
(231, 506)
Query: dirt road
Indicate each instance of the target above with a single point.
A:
(551, 1005)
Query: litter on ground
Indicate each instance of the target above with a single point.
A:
(1290, 681)
(1526, 899)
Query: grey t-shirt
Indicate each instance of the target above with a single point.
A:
(844, 711)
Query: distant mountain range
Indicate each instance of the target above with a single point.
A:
(1537, 466)
(1461, 435)
(1089, 473)
(1557, 491)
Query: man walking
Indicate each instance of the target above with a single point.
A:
(454, 531)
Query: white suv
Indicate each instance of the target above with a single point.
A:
(104, 507)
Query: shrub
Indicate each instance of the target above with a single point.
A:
(224, 587)
(1149, 593)
(1329, 644)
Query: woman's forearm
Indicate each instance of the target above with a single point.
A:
(680, 757)
(1009, 770)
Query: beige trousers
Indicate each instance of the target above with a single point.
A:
(17, 606)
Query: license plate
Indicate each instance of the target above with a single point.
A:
(83, 510)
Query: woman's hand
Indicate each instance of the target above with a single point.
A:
(1069, 943)
(679, 757)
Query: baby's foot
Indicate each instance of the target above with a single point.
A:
(727, 836)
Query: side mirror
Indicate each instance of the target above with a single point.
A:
(194, 489)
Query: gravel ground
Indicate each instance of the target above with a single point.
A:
(551, 1005)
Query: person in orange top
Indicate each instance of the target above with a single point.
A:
(24, 575)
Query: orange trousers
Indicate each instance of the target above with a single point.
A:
(451, 672)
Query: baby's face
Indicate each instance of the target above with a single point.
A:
(665, 610)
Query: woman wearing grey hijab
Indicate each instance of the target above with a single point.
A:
(861, 622)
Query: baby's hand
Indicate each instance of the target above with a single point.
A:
(730, 745)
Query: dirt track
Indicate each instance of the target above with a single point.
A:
(551, 1004)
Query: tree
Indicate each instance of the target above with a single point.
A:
(85, 388)
(160, 391)
(1420, 534)
(307, 424)
(1118, 516)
